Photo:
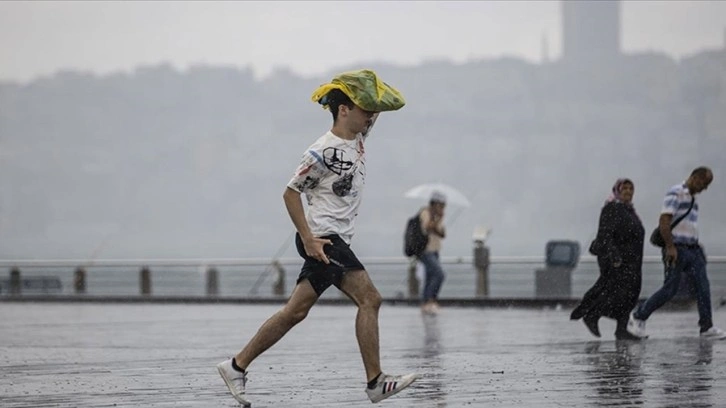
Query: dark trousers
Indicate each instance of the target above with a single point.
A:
(434, 275)
(692, 262)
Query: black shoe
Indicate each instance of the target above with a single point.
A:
(577, 314)
(591, 324)
(626, 335)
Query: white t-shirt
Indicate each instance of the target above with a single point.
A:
(332, 174)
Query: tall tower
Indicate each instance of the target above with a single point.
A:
(590, 29)
(545, 49)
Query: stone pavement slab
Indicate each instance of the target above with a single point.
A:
(157, 355)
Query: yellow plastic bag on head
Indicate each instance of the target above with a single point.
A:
(365, 89)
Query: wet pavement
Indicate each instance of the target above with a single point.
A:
(164, 355)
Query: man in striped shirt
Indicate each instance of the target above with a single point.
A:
(682, 253)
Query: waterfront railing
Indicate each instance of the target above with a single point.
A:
(249, 278)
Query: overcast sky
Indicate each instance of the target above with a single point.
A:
(39, 38)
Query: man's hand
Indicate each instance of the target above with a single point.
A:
(313, 245)
(431, 227)
(314, 248)
(671, 255)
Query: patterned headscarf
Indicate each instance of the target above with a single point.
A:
(615, 193)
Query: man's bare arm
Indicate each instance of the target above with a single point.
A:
(671, 253)
(432, 223)
(313, 245)
(440, 231)
(664, 223)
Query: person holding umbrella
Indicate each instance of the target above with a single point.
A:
(432, 223)
(431, 220)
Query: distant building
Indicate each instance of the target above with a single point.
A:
(590, 29)
(545, 49)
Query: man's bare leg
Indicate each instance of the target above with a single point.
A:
(303, 297)
(358, 286)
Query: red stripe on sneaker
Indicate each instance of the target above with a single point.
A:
(389, 386)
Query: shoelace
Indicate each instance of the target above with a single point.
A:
(243, 376)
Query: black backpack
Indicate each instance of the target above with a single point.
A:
(414, 240)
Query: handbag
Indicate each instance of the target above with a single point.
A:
(657, 239)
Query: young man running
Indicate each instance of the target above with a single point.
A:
(331, 175)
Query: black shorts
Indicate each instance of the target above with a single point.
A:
(322, 275)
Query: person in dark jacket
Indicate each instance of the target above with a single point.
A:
(619, 250)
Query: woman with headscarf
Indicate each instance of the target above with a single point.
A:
(619, 250)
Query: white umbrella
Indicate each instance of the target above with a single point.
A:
(424, 191)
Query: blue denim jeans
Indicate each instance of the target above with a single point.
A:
(434, 276)
(692, 262)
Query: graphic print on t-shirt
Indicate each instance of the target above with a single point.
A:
(334, 159)
(331, 175)
(342, 186)
(308, 184)
(311, 172)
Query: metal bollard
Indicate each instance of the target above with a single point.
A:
(278, 287)
(16, 284)
(413, 283)
(145, 280)
(481, 263)
(212, 281)
(79, 280)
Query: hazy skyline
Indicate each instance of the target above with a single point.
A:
(311, 38)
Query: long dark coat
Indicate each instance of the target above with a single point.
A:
(619, 242)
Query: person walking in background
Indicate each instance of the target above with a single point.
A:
(619, 250)
(682, 253)
(332, 176)
(432, 223)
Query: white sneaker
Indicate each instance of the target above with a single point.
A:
(389, 385)
(714, 333)
(428, 309)
(636, 327)
(235, 381)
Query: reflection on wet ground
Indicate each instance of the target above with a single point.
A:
(614, 372)
(666, 372)
(136, 355)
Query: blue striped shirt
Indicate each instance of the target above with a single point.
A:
(677, 201)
